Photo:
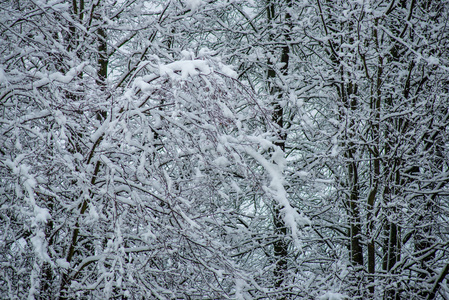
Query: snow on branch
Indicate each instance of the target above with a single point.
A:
(275, 168)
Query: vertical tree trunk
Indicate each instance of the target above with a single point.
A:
(280, 247)
(355, 226)
(102, 73)
(347, 91)
(376, 160)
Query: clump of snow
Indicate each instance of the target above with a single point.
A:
(226, 111)
(239, 286)
(60, 118)
(22, 242)
(93, 214)
(29, 184)
(185, 67)
(303, 174)
(228, 71)
(40, 246)
(221, 149)
(142, 85)
(97, 134)
(221, 161)
(333, 296)
(2, 76)
(335, 150)
(205, 52)
(41, 214)
(187, 55)
(148, 235)
(62, 263)
(236, 187)
(275, 168)
(193, 4)
(189, 220)
(18, 145)
(78, 156)
(433, 61)
(57, 76)
(41, 82)
(57, 5)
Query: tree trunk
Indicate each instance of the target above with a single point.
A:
(280, 247)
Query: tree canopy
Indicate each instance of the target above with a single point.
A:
(224, 149)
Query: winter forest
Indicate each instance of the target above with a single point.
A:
(224, 149)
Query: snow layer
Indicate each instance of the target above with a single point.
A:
(275, 168)
(193, 4)
(185, 67)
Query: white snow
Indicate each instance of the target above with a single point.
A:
(41, 214)
(433, 61)
(142, 85)
(226, 111)
(303, 174)
(22, 242)
(99, 132)
(239, 286)
(206, 52)
(193, 4)
(93, 214)
(236, 187)
(57, 5)
(221, 161)
(333, 296)
(335, 150)
(40, 247)
(57, 76)
(185, 67)
(2, 76)
(78, 156)
(277, 191)
(148, 235)
(61, 262)
(187, 55)
(60, 118)
(228, 71)
(41, 82)
(190, 221)
(221, 149)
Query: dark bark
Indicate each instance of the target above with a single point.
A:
(102, 74)
(280, 247)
